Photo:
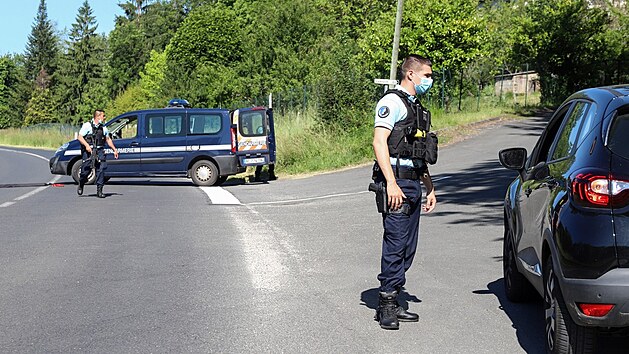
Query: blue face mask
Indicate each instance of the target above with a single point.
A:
(424, 85)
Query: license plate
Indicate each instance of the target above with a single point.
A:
(254, 160)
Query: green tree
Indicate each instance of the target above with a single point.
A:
(450, 34)
(566, 42)
(82, 70)
(210, 34)
(12, 84)
(41, 49)
(208, 38)
(39, 108)
(147, 26)
(152, 78)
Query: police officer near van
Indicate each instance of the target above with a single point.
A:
(93, 136)
(400, 145)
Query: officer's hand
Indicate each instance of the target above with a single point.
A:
(88, 149)
(396, 196)
(431, 201)
(116, 154)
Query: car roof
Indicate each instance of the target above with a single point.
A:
(602, 94)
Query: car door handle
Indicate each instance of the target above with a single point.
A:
(134, 144)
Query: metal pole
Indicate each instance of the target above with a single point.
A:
(460, 88)
(526, 85)
(396, 39)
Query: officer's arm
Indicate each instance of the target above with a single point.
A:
(431, 199)
(83, 142)
(381, 149)
(112, 146)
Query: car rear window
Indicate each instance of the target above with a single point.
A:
(619, 133)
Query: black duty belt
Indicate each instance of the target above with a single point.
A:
(407, 173)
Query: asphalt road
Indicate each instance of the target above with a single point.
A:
(162, 266)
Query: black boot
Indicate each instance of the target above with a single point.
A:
(79, 189)
(99, 192)
(405, 316)
(387, 310)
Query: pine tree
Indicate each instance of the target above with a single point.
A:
(83, 66)
(41, 49)
(39, 108)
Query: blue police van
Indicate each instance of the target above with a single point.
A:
(178, 141)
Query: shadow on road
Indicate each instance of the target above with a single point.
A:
(526, 318)
(369, 298)
(528, 321)
(482, 187)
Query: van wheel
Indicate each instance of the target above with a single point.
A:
(76, 171)
(562, 334)
(204, 173)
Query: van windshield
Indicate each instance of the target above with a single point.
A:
(619, 133)
(252, 123)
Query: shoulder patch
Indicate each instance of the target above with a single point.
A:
(383, 112)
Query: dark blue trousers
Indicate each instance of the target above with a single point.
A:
(86, 167)
(399, 242)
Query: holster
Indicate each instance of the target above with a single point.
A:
(382, 203)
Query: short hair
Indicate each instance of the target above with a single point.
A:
(413, 61)
(98, 110)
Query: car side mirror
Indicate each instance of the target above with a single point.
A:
(513, 158)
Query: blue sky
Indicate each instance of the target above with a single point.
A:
(17, 18)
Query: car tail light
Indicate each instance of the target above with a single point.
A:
(595, 310)
(600, 191)
(233, 131)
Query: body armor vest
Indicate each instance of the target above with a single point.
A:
(408, 135)
(97, 138)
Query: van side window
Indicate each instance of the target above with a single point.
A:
(252, 123)
(205, 123)
(164, 125)
(124, 128)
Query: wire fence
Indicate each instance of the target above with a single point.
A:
(463, 90)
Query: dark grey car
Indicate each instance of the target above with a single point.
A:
(566, 220)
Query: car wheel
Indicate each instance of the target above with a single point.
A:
(204, 173)
(76, 171)
(562, 334)
(517, 287)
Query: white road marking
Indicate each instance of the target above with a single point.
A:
(35, 191)
(325, 196)
(266, 248)
(219, 195)
(26, 153)
(308, 199)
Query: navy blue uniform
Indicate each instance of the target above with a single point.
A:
(401, 229)
(101, 165)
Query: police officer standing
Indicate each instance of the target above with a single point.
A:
(400, 165)
(92, 137)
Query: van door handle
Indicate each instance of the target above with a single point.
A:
(134, 144)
